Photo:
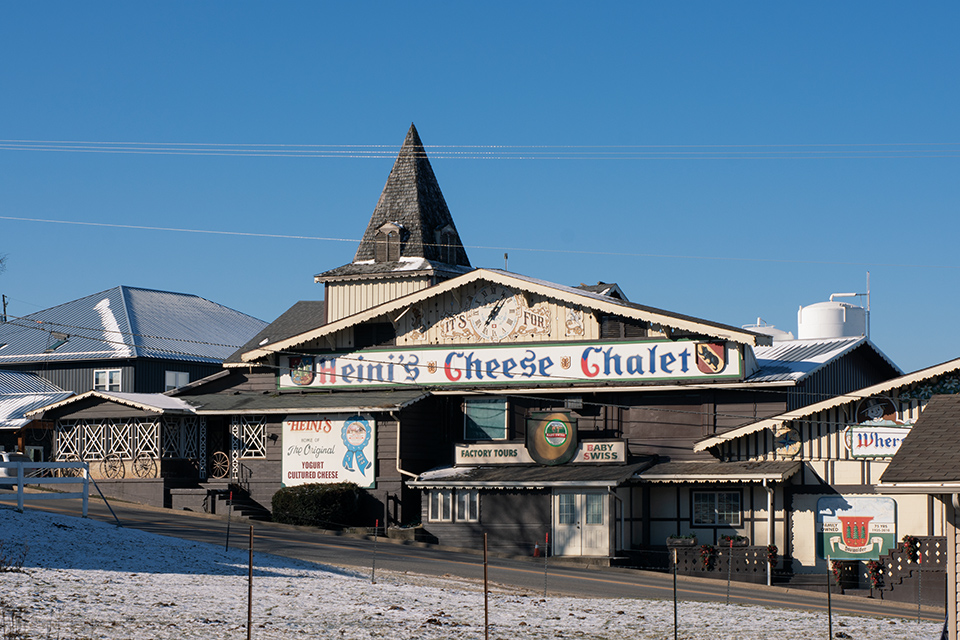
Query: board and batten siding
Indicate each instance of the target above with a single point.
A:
(346, 299)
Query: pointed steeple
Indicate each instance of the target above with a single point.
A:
(411, 223)
(411, 238)
(412, 201)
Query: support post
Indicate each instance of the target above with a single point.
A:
(486, 599)
(250, 588)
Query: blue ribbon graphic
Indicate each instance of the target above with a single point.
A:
(355, 451)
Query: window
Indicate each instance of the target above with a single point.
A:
(445, 504)
(468, 505)
(386, 243)
(716, 508)
(485, 419)
(56, 340)
(106, 380)
(176, 379)
(441, 502)
(594, 508)
(567, 509)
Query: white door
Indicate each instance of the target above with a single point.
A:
(580, 526)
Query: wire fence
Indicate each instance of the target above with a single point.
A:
(450, 606)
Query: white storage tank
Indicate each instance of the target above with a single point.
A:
(831, 320)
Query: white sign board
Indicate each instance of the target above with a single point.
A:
(478, 365)
(483, 454)
(328, 449)
(874, 442)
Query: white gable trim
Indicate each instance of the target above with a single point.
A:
(564, 294)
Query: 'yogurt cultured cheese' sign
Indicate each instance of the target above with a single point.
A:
(329, 449)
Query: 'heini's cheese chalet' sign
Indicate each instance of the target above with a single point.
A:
(645, 361)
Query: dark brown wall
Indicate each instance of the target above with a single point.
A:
(514, 522)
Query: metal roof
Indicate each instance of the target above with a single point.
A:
(23, 392)
(715, 471)
(14, 407)
(527, 477)
(249, 403)
(276, 403)
(14, 382)
(794, 360)
(151, 402)
(847, 398)
(128, 322)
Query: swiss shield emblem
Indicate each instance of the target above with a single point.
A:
(711, 357)
(301, 370)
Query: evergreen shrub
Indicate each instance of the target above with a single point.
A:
(329, 506)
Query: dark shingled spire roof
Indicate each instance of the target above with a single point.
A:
(412, 200)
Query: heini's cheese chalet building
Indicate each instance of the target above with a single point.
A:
(479, 401)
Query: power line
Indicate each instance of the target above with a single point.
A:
(40, 325)
(515, 249)
(800, 151)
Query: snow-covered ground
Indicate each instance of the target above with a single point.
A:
(86, 579)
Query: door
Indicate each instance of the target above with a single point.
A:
(580, 524)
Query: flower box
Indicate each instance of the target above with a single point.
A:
(681, 542)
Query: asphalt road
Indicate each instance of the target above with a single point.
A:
(530, 575)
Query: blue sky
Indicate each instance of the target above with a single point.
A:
(724, 160)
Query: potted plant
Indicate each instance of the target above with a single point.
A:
(677, 540)
(733, 541)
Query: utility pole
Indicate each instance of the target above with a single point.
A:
(4, 317)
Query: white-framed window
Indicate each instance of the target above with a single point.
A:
(447, 505)
(175, 380)
(441, 505)
(468, 505)
(593, 504)
(716, 508)
(485, 419)
(106, 380)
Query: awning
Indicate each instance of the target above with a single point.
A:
(148, 402)
(242, 403)
(527, 477)
(703, 472)
(277, 403)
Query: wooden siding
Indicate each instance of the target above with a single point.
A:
(443, 320)
(347, 298)
(857, 370)
(821, 438)
(514, 522)
(78, 376)
(136, 376)
(673, 506)
(246, 380)
(150, 375)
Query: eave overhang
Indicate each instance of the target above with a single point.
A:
(564, 294)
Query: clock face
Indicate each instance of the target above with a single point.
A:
(494, 312)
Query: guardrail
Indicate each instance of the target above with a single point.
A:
(47, 473)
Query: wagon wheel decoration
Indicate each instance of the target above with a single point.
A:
(71, 472)
(219, 465)
(144, 466)
(112, 467)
